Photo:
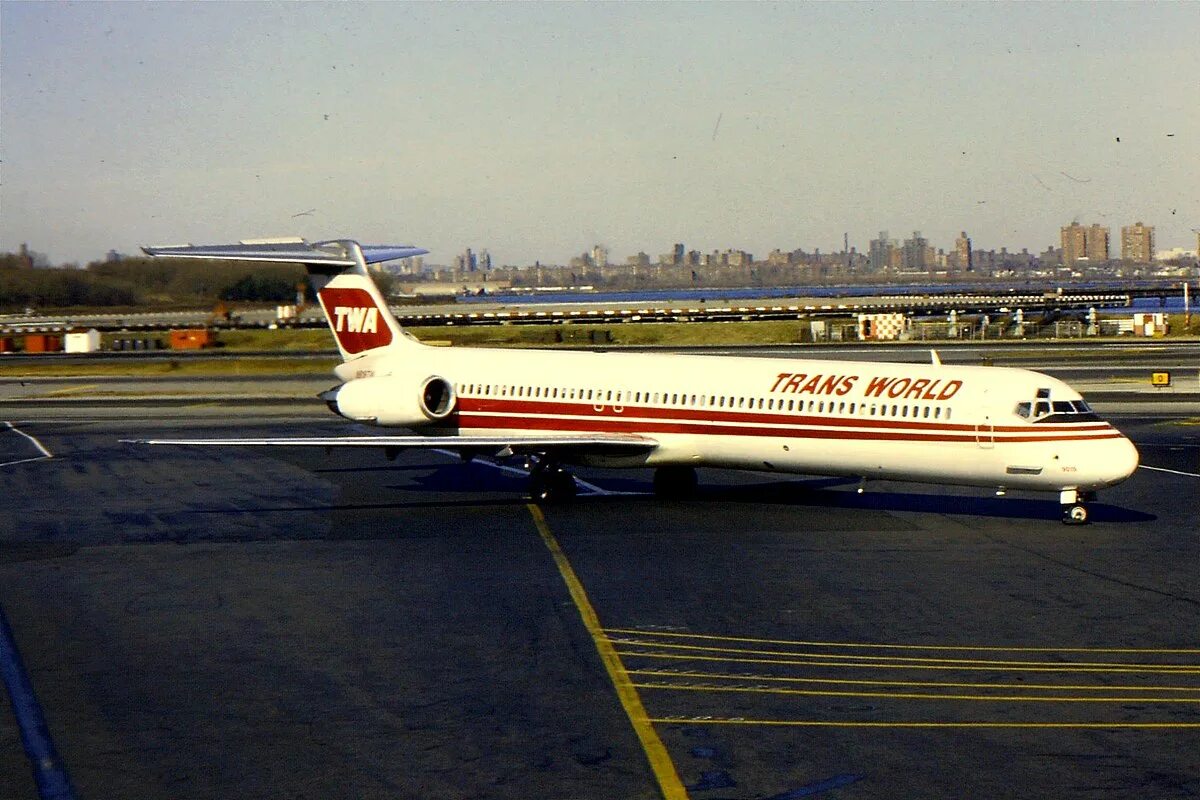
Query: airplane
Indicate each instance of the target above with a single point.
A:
(998, 427)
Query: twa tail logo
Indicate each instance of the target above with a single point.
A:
(356, 320)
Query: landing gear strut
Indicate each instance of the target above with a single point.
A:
(1074, 511)
(675, 482)
(550, 483)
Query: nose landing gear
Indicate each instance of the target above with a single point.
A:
(1074, 511)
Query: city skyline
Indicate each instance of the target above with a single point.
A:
(1077, 242)
(535, 131)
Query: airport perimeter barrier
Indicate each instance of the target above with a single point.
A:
(1035, 307)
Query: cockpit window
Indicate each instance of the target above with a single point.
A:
(1059, 411)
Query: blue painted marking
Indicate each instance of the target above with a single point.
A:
(49, 773)
(809, 790)
(705, 752)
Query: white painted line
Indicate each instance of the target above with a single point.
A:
(23, 461)
(45, 454)
(1172, 471)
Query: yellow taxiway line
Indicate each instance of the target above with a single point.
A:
(656, 752)
(884, 646)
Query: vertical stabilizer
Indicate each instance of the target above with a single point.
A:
(355, 309)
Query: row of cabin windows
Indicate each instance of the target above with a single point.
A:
(621, 397)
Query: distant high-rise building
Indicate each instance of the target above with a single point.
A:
(738, 258)
(1097, 244)
(599, 256)
(485, 261)
(674, 258)
(1079, 243)
(467, 262)
(962, 250)
(916, 252)
(1137, 243)
(1074, 243)
(879, 254)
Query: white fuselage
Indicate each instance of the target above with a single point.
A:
(929, 423)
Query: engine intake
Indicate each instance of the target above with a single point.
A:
(437, 397)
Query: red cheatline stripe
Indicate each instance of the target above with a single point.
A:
(482, 421)
(527, 407)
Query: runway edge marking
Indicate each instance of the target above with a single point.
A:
(656, 752)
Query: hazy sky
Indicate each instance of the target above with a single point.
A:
(538, 130)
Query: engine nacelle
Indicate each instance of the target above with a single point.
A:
(392, 400)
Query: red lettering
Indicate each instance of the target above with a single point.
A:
(829, 385)
(929, 393)
(877, 386)
(951, 389)
(918, 386)
(793, 383)
(897, 388)
(847, 385)
(780, 379)
(812, 385)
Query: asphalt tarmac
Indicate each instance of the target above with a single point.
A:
(237, 623)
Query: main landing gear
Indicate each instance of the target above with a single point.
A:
(549, 483)
(1074, 511)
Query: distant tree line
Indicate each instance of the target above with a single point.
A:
(144, 282)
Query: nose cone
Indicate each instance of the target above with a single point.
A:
(1120, 459)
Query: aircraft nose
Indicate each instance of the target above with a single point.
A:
(1120, 461)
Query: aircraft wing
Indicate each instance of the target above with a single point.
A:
(613, 443)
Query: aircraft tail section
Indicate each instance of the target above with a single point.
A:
(355, 309)
(357, 312)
